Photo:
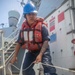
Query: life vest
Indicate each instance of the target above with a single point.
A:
(32, 35)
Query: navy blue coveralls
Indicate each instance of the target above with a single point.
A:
(31, 56)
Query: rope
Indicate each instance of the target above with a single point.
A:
(58, 67)
(23, 69)
(45, 65)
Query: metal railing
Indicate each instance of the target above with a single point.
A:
(10, 40)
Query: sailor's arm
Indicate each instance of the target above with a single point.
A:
(44, 47)
(17, 48)
(45, 39)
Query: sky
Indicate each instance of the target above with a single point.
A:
(6, 6)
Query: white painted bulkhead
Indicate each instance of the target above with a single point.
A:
(62, 50)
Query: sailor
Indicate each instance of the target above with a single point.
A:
(34, 36)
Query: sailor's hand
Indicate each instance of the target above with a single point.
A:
(13, 60)
(38, 59)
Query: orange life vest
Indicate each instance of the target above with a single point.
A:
(32, 36)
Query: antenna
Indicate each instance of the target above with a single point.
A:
(21, 2)
(2, 25)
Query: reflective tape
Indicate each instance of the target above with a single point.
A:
(25, 35)
(30, 35)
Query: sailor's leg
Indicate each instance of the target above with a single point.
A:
(28, 60)
(47, 59)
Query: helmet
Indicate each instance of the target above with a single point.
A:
(29, 8)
